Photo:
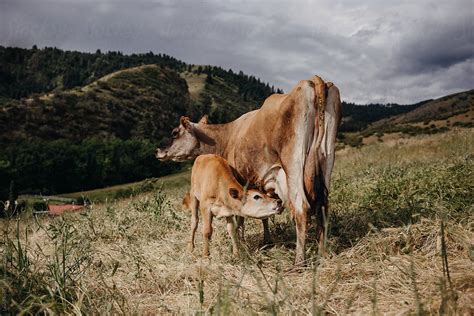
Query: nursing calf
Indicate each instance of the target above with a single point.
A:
(216, 192)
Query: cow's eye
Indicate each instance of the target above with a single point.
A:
(174, 134)
(257, 197)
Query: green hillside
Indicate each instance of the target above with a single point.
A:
(434, 116)
(450, 106)
(427, 117)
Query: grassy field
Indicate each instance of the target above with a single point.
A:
(167, 183)
(401, 242)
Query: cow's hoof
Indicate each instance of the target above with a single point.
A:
(266, 243)
(300, 261)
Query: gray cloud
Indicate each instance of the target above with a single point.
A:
(398, 51)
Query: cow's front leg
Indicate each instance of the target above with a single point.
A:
(233, 234)
(241, 227)
(267, 238)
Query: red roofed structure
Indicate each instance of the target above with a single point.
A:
(60, 209)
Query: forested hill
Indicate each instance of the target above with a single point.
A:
(27, 75)
(137, 103)
(73, 121)
(27, 71)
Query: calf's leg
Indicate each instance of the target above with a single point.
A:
(206, 229)
(194, 221)
(233, 235)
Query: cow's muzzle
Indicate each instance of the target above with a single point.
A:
(160, 154)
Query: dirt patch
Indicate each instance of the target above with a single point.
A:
(195, 83)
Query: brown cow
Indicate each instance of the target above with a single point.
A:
(216, 192)
(287, 146)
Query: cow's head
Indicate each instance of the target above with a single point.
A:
(185, 143)
(257, 204)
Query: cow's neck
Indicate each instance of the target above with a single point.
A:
(213, 138)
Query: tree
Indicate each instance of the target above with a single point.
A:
(209, 79)
(12, 197)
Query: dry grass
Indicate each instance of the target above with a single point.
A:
(386, 251)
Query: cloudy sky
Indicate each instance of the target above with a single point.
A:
(375, 51)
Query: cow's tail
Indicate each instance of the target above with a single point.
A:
(319, 104)
(312, 170)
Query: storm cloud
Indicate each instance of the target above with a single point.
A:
(395, 51)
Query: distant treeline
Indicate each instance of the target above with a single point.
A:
(250, 87)
(62, 166)
(27, 71)
(360, 116)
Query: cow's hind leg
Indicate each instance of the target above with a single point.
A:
(301, 219)
(300, 209)
(294, 159)
(194, 205)
(321, 228)
(320, 209)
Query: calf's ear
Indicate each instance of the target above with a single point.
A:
(234, 193)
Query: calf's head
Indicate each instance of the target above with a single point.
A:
(185, 144)
(256, 204)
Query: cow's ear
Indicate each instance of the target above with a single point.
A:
(204, 120)
(185, 122)
(234, 193)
